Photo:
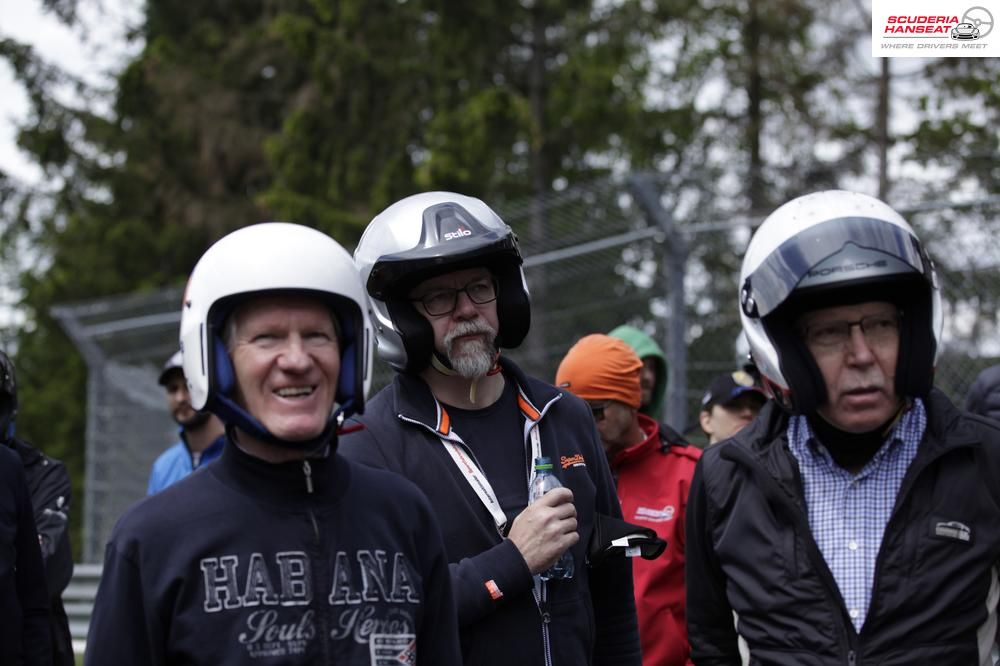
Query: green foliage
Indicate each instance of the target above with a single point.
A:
(322, 112)
(313, 111)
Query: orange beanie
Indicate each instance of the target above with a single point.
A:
(599, 367)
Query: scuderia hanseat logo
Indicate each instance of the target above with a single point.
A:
(933, 29)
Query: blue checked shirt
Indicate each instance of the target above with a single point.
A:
(848, 514)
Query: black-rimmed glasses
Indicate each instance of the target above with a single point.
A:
(439, 302)
(878, 329)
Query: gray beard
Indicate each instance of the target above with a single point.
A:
(476, 358)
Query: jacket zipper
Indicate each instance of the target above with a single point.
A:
(321, 619)
(307, 471)
(541, 600)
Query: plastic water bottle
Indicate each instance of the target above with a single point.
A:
(542, 482)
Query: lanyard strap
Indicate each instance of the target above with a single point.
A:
(480, 484)
(474, 475)
(536, 450)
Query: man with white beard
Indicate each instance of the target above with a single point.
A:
(447, 291)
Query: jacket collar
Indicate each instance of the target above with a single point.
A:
(282, 483)
(651, 443)
(765, 440)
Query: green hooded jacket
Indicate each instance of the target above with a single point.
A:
(645, 347)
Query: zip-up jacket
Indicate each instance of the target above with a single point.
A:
(589, 619)
(49, 486)
(654, 478)
(757, 580)
(310, 562)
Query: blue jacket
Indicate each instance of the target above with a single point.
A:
(591, 618)
(175, 463)
(315, 562)
(754, 571)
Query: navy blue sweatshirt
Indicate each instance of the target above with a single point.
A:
(246, 562)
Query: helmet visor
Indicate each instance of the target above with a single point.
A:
(835, 252)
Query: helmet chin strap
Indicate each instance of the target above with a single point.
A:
(235, 416)
(444, 367)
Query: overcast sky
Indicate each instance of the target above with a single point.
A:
(92, 55)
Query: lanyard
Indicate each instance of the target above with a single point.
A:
(480, 484)
(473, 473)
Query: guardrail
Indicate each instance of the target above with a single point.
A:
(78, 599)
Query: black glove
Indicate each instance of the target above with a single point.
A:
(614, 537)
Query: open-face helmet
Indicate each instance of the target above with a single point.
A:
(827, 249)
(426, 235)
(273, 258)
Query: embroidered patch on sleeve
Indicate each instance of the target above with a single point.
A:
(494, 590)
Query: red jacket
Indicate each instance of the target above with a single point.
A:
(653, 482)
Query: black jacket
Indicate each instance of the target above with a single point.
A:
(49, 486)
(314, 563)
(24, 614)
(750, 552)
(591, 617)
(984, 394)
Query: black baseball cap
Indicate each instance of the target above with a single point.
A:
(726, 388)
(175, 362)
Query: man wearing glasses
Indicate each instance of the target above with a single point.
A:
(855, 520)
(464, 424)
(653, 475)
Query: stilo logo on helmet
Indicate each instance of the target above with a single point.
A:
(459, 233)
(430, 234)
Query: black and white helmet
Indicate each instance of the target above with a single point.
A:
(835, 248)
(426, 235)
(272, 258)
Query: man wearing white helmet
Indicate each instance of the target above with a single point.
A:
(855, 520)
(463, 423)
(202, 434)
(281, 551)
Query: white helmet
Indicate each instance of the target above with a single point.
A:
(835, 248)
(426, 235)
(271, 258)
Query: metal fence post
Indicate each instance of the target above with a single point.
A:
(673, 261)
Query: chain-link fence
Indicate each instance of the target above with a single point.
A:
(124, 341)
(596, 256)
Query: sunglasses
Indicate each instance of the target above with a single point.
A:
(597, 409)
